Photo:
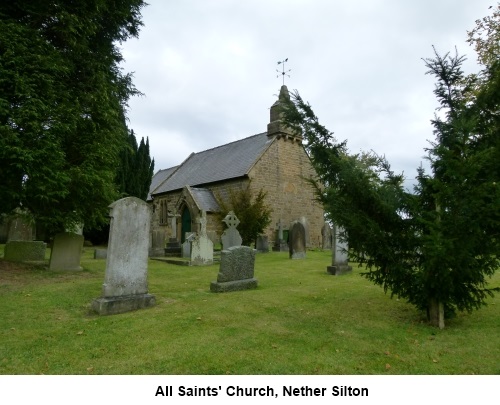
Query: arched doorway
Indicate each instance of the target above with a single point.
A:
(185, 223)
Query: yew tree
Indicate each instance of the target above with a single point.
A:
(437, 245)
(136, 168)
(63, 99)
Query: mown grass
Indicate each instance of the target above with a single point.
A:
(300, 320)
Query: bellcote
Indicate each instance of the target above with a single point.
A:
(276, 127)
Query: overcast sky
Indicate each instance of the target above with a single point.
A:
(207, 69)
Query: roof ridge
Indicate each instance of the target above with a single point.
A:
(229, 143)
(223, 162)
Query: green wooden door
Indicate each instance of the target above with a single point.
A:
(186, 223)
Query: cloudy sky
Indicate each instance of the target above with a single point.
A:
(207, 69)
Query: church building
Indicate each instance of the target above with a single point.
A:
(274, 161)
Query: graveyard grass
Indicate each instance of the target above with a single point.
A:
(299, 320)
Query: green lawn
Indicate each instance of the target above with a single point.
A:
(300, 320)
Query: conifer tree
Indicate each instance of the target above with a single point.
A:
(438, 245)
(63, 99)
(136, 168)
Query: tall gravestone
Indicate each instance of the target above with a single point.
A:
(231, 237)
(297, 241)
(236, 271)
(125, 285)
(66, 252)
(20, 246)
(202, 248)
(326, 235)
(340, 260)
(262, 244)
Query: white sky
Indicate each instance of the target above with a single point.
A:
(208, 70)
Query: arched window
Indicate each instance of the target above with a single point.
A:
(163, 212)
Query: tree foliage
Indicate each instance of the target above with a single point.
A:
(63, 97)
(136, 168)
(439, 244)
(251, 209)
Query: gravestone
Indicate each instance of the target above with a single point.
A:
(66, 252)
(305, 222)
(125, 285)
(20, 227)
(280, 241)
(236, 271)
(326, 234)
(297, 240)
(231, 237)
(186, 246)
(20, 246)
(24, 251)
(262, 244)
(340, 264)
(202, 248)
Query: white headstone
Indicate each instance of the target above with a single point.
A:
(340, 258)
(202, 248)
(125, 285)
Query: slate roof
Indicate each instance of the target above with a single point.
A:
(205, 199)
(224, 162)
(159, 178)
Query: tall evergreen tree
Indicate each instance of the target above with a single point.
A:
(136, 168)
(435, 247)
(62, 106)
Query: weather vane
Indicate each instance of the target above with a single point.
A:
(283, 71)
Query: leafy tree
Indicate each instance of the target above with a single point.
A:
(251, 210)
(62, 106)
(435, 247)
(136, 168)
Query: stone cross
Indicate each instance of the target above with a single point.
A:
(231, 236)
(231, 220)
(280, 230)
(203, 223)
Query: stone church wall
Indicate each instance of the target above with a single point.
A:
(281, 172)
